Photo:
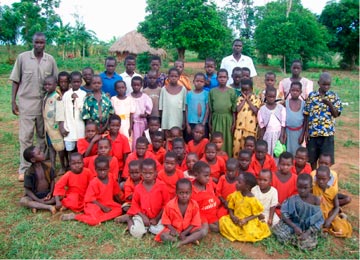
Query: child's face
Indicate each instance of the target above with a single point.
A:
(199, 83)
(304, 188)
(96, 83)
(76, 164)
(152, 78)
(190, 161)
(148, 173)
(120, 89)
(236, 76)
(173, 77)
(141, 149)
(249, 145)
(260, 152)
(222, 78)
(301, 158)
(296, 69)
(170, 165)
(322, 179)
(136, 86)
(246, 90)
(324, 85)
(203, 177)
(198, 133)
(155, 65)
(179, 149)
(154, 126)
(285, 165)
(183, 193)
(49, 85)
(64, 83)
(37, 155)
(130, 66)
(114, 126)
(245, 74)
(179, 66)
(218, 141)
(244, 161)
(295, 91)
(87, 75)
(264, 180)
(270, 80)
(102, 170)
(76, 82)
(174, 133)
(210, 153)
(110, 66)
(325, 161)
(134, 172)
(241, 185)
(209, 67)
(270, 97)
(90, 131)
(103, 147)
(231, 172)
(157, 142)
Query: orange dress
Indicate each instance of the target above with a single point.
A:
(170, 181)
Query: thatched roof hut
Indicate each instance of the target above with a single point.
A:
(134, 43)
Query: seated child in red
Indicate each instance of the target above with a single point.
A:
(197, 144)
(120, 148)
(104, 147)
(149, 199)
(283, 180)
(218, 139)
(217, 164)
(261, 159)
(102, 200)
(157, 146)
(170, 175)
(174, 132)
(141, 152)
(179, 148)
(191, 159)
(244, 160)
(227, 185)
(181, 217)
(88, 146)
(204, 194)
(71, 188)
(130, 184)
(301, 164)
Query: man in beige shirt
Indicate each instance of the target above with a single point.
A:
(27, 76)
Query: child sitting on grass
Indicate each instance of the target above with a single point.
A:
(39, 182)
(181, 217)
(88, 146)
(301, 217)
(130, 183)
(243, 224)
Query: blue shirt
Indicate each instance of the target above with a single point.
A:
(213, 82)
(193, 102)
(108, 83)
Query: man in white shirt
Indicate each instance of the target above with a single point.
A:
(237, 60)
(129, 73)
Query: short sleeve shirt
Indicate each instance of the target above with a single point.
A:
(108, 83)
(229, 63)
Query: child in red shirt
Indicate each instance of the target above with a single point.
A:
(250, 143)
(88, 146)
(130, 184)
(261, 159)
(218, 139)
(191, 159)
(70, 190)
(157, 146)
(227, 185)
(174, 132)
(179, 148)
(217, 164)
(244, 160)
(197, 144)
(181, 217)
(301, 164)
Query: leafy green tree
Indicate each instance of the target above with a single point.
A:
(184, 25)
(342, 20)
(292, 33)
(9, 27)
(82, 37)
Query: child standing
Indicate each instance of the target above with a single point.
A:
(87, 74)
(217, 164)
(39, 182)
(143, 107)
(97, 106)
(247, 108)
(102, 199)
(197, 106)
(210, 74)
(300, 163)
(268, 196)
(124, 107)
(88, 146)
(129, 73)
(222, 104)
(243, 224)
(301, 217)
(183, 80)
(153, 91)
(295, 124)
(272, 121)
(198, 143)
(172, 102)
(155, 65)
(270, 80)
(218, 139)
(63, 82)
(236, 85)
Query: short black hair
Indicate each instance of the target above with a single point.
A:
(270, 89)
(173, 69)
(134, 163)
(88, 68)
(266, 170)
(178, 140)
(236, 69)
(170, 154)
(210, 60)
(232, 162)
(245, 151)
(323, 168)
(75, 74)
(119, 81)
(137, 78)
(199, 166)
(270, 73)
(209, 145)
(246, 82)
(261, 143)
(154, 118)
(148, 162)
(114, 117)
(64, 74)
(105, 139)
(129, 57)
(305, 177)
(217, 135)
(286, 155)
(200, 74)
(110, 58)
(29, 153)
(75, 154)
(183, 181)
(142, 140)
(297, 61)
(236, 40)
(223, 70)
(159, 134)
(302, 150)
(246, 69)
(102, 159)
(155, 57)
(249, 179)
(296, 83)
(250, 138)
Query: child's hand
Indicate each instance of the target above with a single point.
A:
(303, 236)
(106, 209)
(174, 233)
(269, 222)
(153, 222)
(48, 197)
(242, 222)
(63, 132)
(282, 138)
(58, 205)
(261, 217)
(298, 231)
(143, 115)
(235, 219)
(96, 138)
(326, 102)
(182, 235)
(327, 224)
(74, 96)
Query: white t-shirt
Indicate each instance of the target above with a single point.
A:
(127, 78)
(229, 63)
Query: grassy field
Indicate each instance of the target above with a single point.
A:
(27, 235)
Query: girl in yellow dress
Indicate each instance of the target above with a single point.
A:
(243, 224)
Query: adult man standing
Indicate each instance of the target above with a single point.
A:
(27, 76)
(237, 60)
(109, 76)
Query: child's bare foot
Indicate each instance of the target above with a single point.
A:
(52, 210)
(34, 210)
(196, 242)
(122, 219)
(62, 209)
(66, 217)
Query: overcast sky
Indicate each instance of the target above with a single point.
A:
(108, 18)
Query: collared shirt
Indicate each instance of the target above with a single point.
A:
(108, 83)
(91, 109)
(229, 63)
(127, 78)
(30, 74)
(321, 121)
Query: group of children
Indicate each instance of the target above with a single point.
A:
(179, 162)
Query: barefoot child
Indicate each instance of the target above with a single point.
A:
(268, 197)
(261, 159)
(70, 190)
(39, 182)
(191, 159)
(88, 146)
(102, 200)
(329, 204)
(301, 217)
(243, 224)
(301, 164)
(181, 217)
(218, 139)
(216, 163)
(198, 143)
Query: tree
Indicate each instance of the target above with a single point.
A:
(191, 24)
(9, 27)
(342, 20)
(63, 37)
(298, 36)
(82, 37)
